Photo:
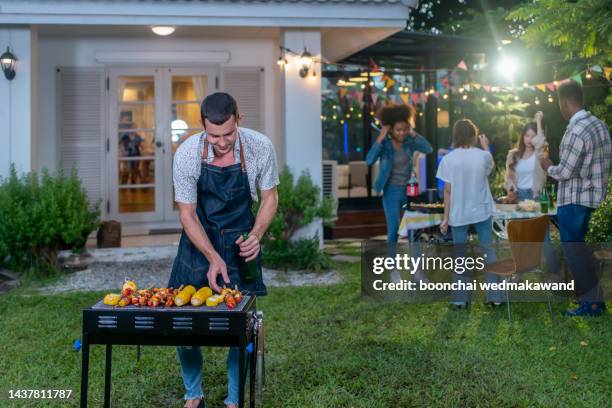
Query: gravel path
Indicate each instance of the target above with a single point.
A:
(106, 269)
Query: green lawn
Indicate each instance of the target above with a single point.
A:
(328, 348)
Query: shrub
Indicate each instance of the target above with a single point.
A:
(299, 204)
(40, 217)
(600, 227)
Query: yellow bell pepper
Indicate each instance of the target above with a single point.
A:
(112, 299)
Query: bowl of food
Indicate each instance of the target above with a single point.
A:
(528, 206)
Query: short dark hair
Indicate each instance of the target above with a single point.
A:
(217, 108)
(464, 133)
(571, 90)
(391, 114)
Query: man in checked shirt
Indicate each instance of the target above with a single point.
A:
(584, 164)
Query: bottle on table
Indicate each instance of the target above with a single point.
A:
(544, 201)
(250, 267)
(413, 186)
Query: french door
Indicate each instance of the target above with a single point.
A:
(152, 111)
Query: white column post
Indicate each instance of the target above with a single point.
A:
(17, 142)
(302, 114)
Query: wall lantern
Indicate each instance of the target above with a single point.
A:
(305, 62)
(8, 60)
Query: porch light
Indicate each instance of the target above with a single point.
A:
(163, 30)
(8, 60)
(305, 62)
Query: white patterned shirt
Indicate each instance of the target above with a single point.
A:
(259, 154)
(584, 161)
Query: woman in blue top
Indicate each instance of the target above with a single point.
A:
(395, 147)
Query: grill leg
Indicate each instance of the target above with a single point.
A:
(107, 375)
(241, 374)
(252, 368)
(84, 370)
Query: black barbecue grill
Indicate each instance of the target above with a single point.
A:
(178, 326)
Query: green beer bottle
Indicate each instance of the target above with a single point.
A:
(250, 267)
(544, 201)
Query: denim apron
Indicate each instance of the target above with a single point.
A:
(224, 208)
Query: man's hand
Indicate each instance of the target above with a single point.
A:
(545, 162)
(249, 248)
(217, 267)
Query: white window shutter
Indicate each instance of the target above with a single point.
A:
(81, 115)
(246, 84)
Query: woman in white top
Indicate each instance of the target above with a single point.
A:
(468, 200)
(525, 177)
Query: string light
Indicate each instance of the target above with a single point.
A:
(461, 90)
(351, 108)
(445, 96)
(371, 83)
(550, 98)
(499, 103)
(385, 89)
(360, 116)
(484, 99)
(420, 113)
(525, 84)
(516, 98)
(588, 74)
(465, 97)
(362, 86)
(537, 101)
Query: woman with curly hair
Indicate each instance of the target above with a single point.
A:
(395, 147)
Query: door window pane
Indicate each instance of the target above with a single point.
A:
(135, 89)
(133, 200)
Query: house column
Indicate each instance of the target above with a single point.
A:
(302, 113)
(17, 109)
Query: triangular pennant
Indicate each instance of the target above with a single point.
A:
(415, 98)
(462, 65)
(577, 78)
(341, 92)
(360, 95)
(597, 68)
(405, 98)
(541, 87)
(437, 94)
(476, 86)
(374, 98)
(608, 73)
(487, 88)
(550, 86)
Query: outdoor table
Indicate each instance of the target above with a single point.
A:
(501, 218)
(415, 220)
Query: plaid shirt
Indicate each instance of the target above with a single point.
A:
(584, 164)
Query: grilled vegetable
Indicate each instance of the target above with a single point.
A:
(230, 302)
(214, 300)
(184, 295)
(135, 300)
(142, 301)
(126, 300)
(129, 287)
(112, 299)
(199, 298)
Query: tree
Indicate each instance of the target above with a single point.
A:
(577, 29)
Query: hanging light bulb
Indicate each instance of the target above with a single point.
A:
(525, 84)
(445, 96)
(516, 98)
(484, 99)
(461, 90)
(550, 98)
(537, 101)
(588, 74)
(465, 97)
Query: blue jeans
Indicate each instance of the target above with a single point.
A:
(552, 258)
(573, 226)
(394, 197)
(191, 370)
(484, 230)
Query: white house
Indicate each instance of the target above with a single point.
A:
(91, 77)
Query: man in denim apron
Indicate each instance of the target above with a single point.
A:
(216, 174)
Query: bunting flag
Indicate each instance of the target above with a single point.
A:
(597, 68)
(405, 98)
(374, 98)
(551, 86)
(445, 83)
(541, 87)
(437, 94)
(462, 65)
(577, 78)
(341, 92)
(415, 98)
(360, 96)
(476, 86)
(608, 73)
(487, 88)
